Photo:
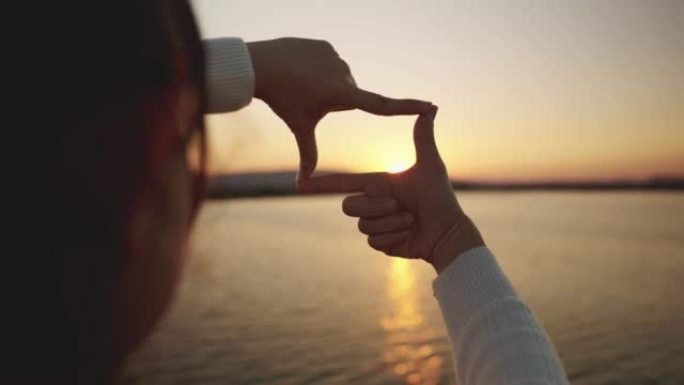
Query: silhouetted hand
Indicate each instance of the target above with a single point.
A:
(302, 80)
(424, 222)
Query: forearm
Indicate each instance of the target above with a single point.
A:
(495, 337)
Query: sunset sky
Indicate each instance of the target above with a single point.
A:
(527, 90)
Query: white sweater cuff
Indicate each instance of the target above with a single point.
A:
(230, 75)
(468, 284)
(495, 337)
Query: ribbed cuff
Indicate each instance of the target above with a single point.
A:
(468, 284)
(230, 75)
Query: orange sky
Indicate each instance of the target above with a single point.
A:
(527, 89)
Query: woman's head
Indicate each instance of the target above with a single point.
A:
(124, 178)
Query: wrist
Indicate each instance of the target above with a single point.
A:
(256, 53)
(461, 237)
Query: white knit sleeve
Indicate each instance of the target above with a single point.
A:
(495, 337)
(230, 75)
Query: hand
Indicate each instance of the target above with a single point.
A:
(302, 80)
(413, 214)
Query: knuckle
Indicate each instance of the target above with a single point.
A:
(345, 66)
(326, 44)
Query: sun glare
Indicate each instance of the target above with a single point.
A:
(397, 167)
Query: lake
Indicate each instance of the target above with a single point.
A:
(286, 291)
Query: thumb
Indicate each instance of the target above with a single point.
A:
(308, 153)
(424, 139)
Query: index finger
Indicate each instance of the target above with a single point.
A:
(382, 105)
(337, 183)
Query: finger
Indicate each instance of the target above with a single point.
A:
(387, 224)
(338, 183)
(308, 152)
(384, 242)
(381, 105)
(363, 206)
(424, 139)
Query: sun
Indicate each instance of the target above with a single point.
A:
(398, 166)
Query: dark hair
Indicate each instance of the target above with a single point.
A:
(109, 60)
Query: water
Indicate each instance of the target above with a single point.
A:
(285, 291)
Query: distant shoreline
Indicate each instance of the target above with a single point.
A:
(279, 184)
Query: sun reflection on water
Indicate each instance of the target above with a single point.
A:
(408, 353)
